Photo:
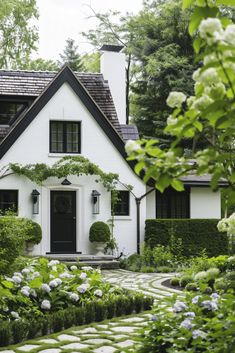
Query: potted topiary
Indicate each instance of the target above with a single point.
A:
(100, 235)
(33, 235)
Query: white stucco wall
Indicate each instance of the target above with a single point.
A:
(33, 147)
(204, 203)
(151, 204)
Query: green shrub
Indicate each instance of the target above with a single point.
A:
(69, 317)
(175, 281)
(35, 328)
(191, 287)
(138, 302)
(196, 235)
(164, 269)
(89, 312)
(147, 269)
(207, 290)
(5, 333)
(33, 233)
(79, 316)
(99, 232)
(147, 303)
(101, 312)
(184, 280)
(220, 284)
(231, 263)
(12, 241)
(162, 256)
(220, 262)
(19, 330)
(57, 321)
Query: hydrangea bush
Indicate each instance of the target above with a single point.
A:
(198, 323)
(45, 286)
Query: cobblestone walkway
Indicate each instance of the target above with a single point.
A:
(119, 335)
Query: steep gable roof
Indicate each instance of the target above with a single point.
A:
(33, 83)
(64, 76)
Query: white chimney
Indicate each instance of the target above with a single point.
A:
(112, 66)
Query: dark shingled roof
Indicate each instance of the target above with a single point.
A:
(33, 83)
(200, 180)
(129, 132)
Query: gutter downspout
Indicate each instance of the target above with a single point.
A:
(138, 202)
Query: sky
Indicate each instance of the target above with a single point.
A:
(62, 19)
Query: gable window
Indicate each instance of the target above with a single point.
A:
(8, 111)
(172, 204)
(65, 137)
(122, 206)
(8, 201)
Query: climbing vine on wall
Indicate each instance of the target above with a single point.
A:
(69, 165)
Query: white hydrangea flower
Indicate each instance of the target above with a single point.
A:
(73, 268)
(16, 279)
(198, 333)
(190, 314)
(187, 324)
(216, 91)
(18, 274)
(190, 101)
(131, 146)
(209, 76)
(25, 271)
(215, 296)
(196, 75)
(202, 102)
(15, 315)
(98, 293)
(25, 292)
(231, 224)
(223, 225)
(33, 293)
(229, 35)
(36, 274)
(53, 263)
(210, 59)
(55, 282)
(175, 99)
(209, 305)
(196, 299)
(46, 305)
(202, 275)
(211, 30)
(83, 275)
(83, 288)
(179, 306)
(66, 275)
(45, 288)
(74, 296)
(171, 120)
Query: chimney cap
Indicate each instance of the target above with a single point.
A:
(111, 47)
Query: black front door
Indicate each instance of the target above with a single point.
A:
(63, 221)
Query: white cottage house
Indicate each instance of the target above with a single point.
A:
(44, 116)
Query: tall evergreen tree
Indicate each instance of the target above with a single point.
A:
(71, 57)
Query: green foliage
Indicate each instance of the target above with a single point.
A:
(196, 235)
(184, 280)
(208, 114)
(19, 330)
(71, 57)
(34, 232)
(99, 232)
(68, 165)
(206, 323)
(39, 65)
(5, 333)
(191, 287)
(175, 281)
(91, 62)
(17, 34)
(13, 231)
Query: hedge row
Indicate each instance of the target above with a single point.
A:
(19, 330)
(196, 235)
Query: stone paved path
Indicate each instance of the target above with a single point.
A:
(119, 335)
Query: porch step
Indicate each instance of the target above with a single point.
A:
(103, 262)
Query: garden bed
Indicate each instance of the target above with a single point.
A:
(46, 297)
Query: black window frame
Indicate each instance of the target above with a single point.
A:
(172, 204)
(64, 131)
(11, 117)
(15, 209)
(122, 207)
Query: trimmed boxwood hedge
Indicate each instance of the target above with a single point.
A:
(196, 235)
(94, 311)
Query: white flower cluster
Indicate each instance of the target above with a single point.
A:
(87, 268)
(74, 296)
(83, 288)
(175, 99)
(187, 324)
(227, 224)
(53, 263)
(55, 283)
(45, 288)
(131, 146)
(83, 275)
(73, 268)
(46, 305)
(212, 31)
(210, 305)
(179, 306)
(98, 293)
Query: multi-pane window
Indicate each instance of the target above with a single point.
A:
(172, 204)
(8, 111)
(122, 206)
(65, 137)
(8, 201)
